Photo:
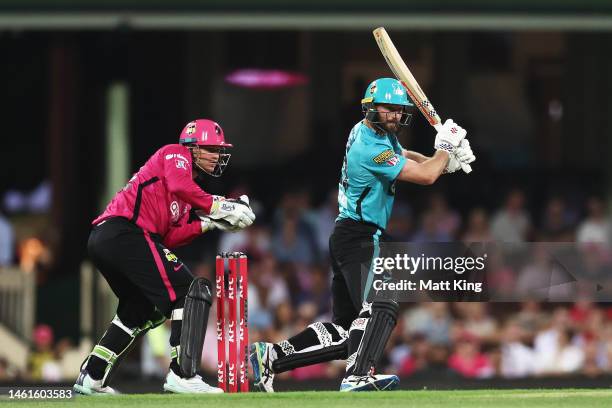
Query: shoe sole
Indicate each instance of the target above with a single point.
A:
(170, 388)
(387, 384)
(79, 389)
(176, 390)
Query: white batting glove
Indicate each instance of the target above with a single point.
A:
(453, 164)
(464, 152)
(449, 136)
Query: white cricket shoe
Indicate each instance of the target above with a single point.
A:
(193, 385)
(88, 386)
(378, 382)
(262, 355)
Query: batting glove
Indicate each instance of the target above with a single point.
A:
(464, 152)
(449, 136)
(453, 164)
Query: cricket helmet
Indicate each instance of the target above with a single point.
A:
(207, 133)
(385, 91)
(203, 132)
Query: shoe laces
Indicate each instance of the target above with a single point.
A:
(365, 378)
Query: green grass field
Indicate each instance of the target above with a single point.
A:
(395, 399)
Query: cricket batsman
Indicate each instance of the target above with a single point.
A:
(161, 208)
(374, 160)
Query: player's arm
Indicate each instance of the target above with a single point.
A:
(188, 227)
(447, 143)
(425, 172)
(415, 156)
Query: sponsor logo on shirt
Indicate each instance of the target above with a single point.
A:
(176, 156)
(170, 256)
(384, 156)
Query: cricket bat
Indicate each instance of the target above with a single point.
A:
(403, 74)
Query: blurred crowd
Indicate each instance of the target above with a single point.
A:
(289, 288)
(49, 359)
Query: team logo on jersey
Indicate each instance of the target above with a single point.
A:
(181, 164)
(174, 211)
(170, 256)
(393, 161)
(384, 156)
(191, 128)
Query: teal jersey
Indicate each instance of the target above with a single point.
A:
(367, 184)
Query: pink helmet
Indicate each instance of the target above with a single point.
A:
(203, 132)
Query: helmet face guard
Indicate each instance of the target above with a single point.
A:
(371, 114)
(221, 164)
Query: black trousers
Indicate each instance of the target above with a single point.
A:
(140, 270)
(352, 246)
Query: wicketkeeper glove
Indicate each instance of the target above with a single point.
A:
(207, 224)
(231, 214)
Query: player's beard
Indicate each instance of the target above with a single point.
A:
(392, 127)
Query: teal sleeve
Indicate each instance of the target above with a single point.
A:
(383, 162)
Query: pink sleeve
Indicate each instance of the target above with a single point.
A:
(182, 233)
(177, 172)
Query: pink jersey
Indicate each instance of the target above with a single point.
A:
(159, 197)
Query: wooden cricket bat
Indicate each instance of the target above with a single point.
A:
(403, 74)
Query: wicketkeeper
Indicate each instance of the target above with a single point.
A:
(373, 162)
(161, 208)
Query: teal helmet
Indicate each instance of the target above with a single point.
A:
(386, 91)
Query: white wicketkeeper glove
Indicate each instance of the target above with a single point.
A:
(207, 224)
(230, 214)
(449, 136)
